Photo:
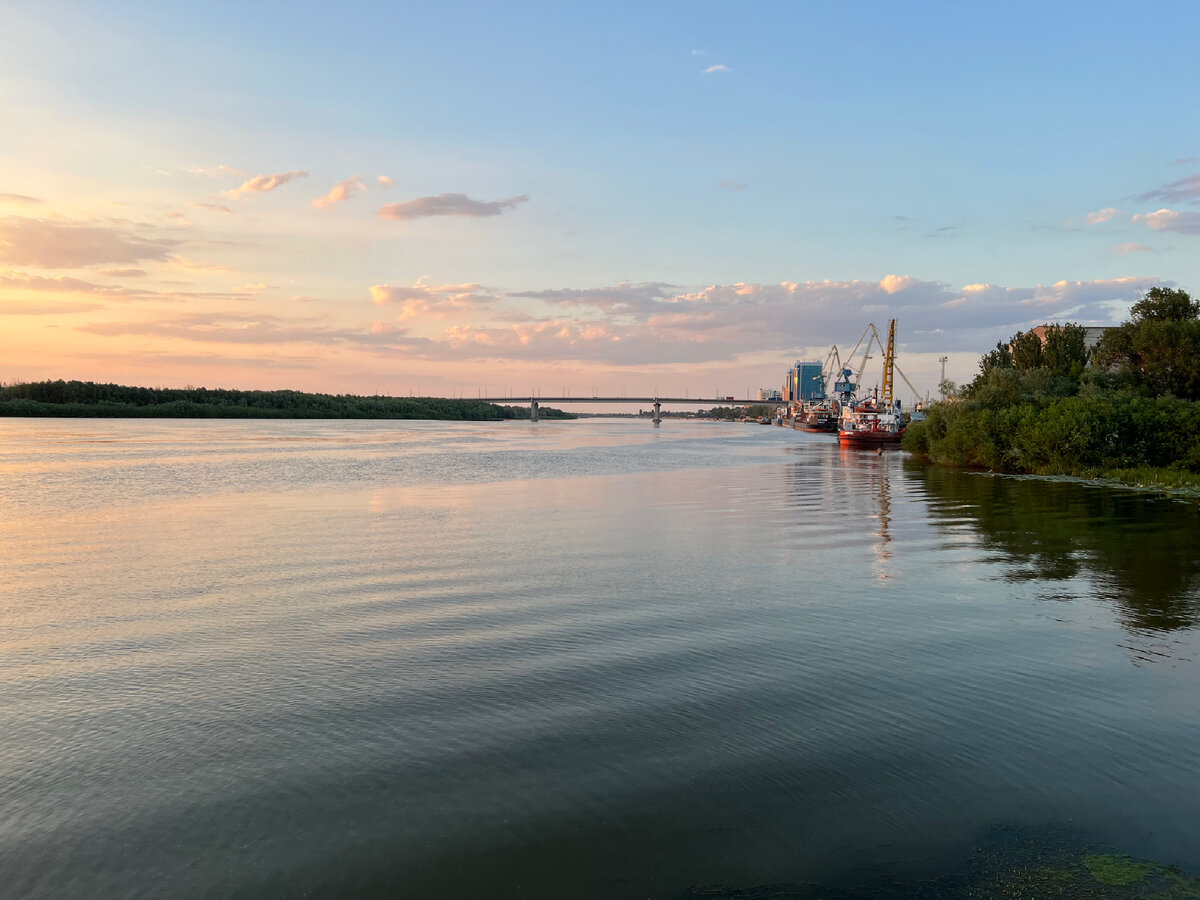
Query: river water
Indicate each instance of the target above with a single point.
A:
(570, 659)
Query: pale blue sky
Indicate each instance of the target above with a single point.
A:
(958, 144)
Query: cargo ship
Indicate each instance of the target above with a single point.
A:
(878, 420)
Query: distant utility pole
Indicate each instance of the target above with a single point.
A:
(942, 360)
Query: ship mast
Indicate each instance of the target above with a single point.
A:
(889, 362)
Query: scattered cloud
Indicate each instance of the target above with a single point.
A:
(893, 284)
(717, 68)
(214, 207)
(59, 284)
(697, 53)
(57, 244)
(46, 309)
(448, 205)
(1171, 220)
(198, 265)
(237, 328)
(629, 323)
(1130, 247)
(12, 280)
(122, 273)
(340, 192)
(732, 185)
(624, 299)
(216, 171)
(385, 180)
(260, 184)
(433, 301)
(19, 200)
(1101, 215)
(180, 219)
(1185, 190)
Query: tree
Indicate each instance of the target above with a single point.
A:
(1159, 345)
(1162, 304)
(1000, 358)
(1026, 351)
(1065, 349)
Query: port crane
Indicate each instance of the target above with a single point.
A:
(852, 378)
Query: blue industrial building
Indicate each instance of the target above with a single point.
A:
(804, 382)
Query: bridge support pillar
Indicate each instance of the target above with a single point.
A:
(533, 410)
(657, 416)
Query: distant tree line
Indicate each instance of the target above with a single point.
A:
(86, 398)
(753, 411)
(1047, 406)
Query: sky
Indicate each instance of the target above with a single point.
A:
(466, 199)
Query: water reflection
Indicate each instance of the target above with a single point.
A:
(1136, 551)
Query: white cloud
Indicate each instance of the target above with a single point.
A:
(385, 180)
(1101, 215)
(895, 283)
(1171, 220)
(717, 68)
(216, 171)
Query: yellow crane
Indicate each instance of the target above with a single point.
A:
(889, 362)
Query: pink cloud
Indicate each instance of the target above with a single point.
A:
(340, 192)
(431, 301)
(260, 184)
(53, 244)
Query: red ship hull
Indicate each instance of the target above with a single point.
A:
(870, 438)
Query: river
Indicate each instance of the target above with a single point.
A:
(570, 659)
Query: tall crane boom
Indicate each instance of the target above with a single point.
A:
(889, 362)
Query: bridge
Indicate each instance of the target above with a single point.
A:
(656, 402)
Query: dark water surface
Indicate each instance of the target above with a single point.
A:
(586, 659)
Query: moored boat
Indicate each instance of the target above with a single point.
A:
(821, 415)
(875, 421)
(870, 424)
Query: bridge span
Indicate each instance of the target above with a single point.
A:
(656, 402)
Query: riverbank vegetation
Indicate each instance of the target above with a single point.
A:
(753, 411)
(1042, 404)
(86, 398)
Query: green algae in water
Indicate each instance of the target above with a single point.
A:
(1008, 863)
(1118, 870)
